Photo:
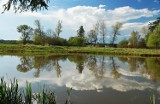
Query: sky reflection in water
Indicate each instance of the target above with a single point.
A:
(84, 73)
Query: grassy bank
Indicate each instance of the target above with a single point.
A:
(36, 49)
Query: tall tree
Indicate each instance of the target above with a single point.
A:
(102, 30)
(26, 32)
(24, 5)
(58, 29)
(39, 29)
(133, 41)
(39, 37)
(92, 37)
(116, 31)
(80, 31)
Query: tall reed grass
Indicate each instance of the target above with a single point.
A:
(11, 94)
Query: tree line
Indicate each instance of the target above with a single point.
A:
(52, 37)
(96, 36)
(148, 37)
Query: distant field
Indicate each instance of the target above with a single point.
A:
(38, 49)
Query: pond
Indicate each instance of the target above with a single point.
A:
(94, 79)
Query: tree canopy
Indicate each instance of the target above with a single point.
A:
(26, 32)
(154, 39)
(24, 5)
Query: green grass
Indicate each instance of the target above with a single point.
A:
(11, 94)
(37, 49)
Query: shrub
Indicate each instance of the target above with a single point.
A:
(76, 41)
(123, 44)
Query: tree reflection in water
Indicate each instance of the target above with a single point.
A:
(114, 68)
(97, 66)
(40, 63)
(26, 64)
(148, 67)
(79, 60)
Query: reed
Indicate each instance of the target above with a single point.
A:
(10, 94)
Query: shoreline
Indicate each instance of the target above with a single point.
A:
(51, 50)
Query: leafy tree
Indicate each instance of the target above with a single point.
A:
(102, 30)
(24, 5)
(134, 39)
(116, 31)
(123, 44)
(80, 32)
(26, 32)
(154, 39)
(58, 29)
(154, 24)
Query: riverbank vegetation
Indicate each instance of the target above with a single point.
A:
(38, 49)
(39, 41)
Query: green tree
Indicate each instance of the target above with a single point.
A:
(26, 32)
(154, 39)
(116, 31)
(154, 24)
(80, 32)
(24, 5)
(58, 29)
(134, 39)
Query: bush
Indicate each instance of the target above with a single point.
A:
(123, 44)
(57, 41)
(76, 41)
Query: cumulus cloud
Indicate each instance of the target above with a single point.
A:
(74, 17)
(87, 16)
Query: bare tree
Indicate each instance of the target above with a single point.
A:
(39, 37)
(92, 36)
(58, 29)
(116, 31)
(93, 33)
(102, 30)
(39, 29)
(134, 39)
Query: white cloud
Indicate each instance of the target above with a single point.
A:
(87, 16)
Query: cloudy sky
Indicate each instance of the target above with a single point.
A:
(132, 13)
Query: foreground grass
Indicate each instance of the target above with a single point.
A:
(37, 49)
(11, 94)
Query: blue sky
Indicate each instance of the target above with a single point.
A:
(134, 14)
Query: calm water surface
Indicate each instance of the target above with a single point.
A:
(94, 79)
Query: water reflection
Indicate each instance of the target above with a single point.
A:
(40, 63)
(114, 68)
(89, 72)
(97, 65)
